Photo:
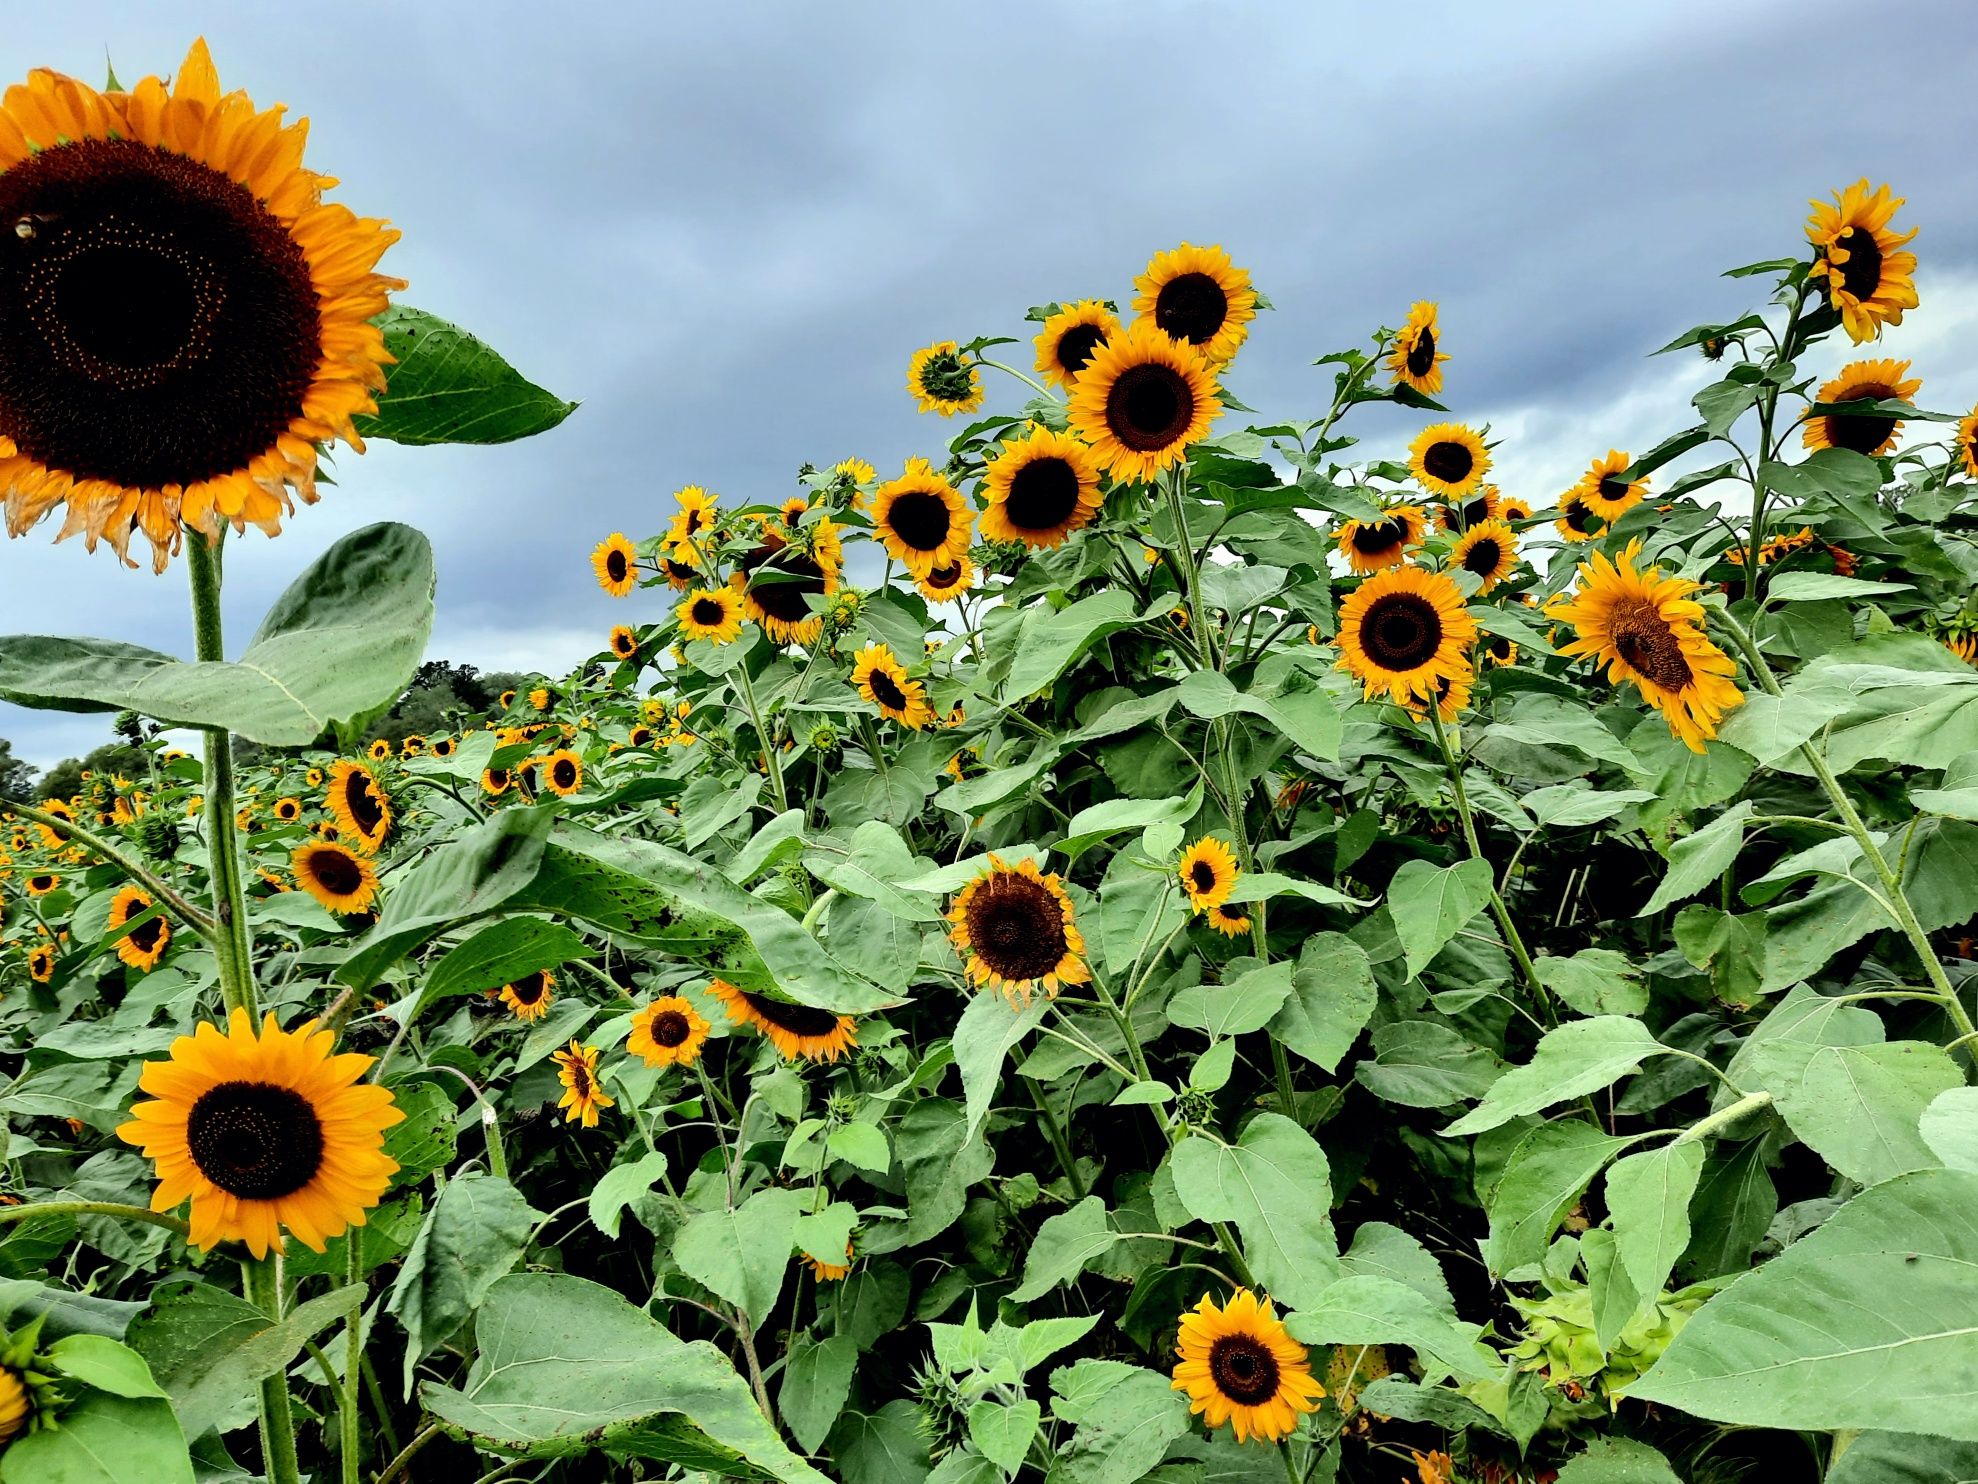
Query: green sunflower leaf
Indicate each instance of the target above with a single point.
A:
(451, 387)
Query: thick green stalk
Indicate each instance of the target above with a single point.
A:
(263, 1282)
(222, 836)
(353, 1361)
(772, 764)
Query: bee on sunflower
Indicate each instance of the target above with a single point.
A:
(1858, 259)
(1238, 1365)
(1141, 401)
(1070, 336)
(798, 1032)
(1415, 358)
(1372, 545)
(1448, 459)
(1041, 487)
(1208, 870)
(1201, 298)
(583, 1095)
(667, 1033)
(883, 681)
(1404, 632)
(944, 380)
(1870, 433)
(1013, 926)
(340, 879)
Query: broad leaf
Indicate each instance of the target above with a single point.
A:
(451, 387)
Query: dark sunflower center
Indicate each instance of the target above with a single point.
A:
(1449, 462)
(362, 801)
(564, 773)
(708, 612)
(1578, 516)
(1230, 912)
(336, 871)
(255, 1140)
(615, 565)
(1149, 407)
(921, 519)
(498, 777)
(1076, 345)
(670, 1028)
(145, 935)
(1863, 433)
(942, 578)
(1016, 928)
(784, 600)
(1043, 494)
(623, 643)
(1421, 355)
(1484, 557)
(1499, 647)
(1646, 641)
(531, 987)
(580, 1078)
(945, 377)
(1401, 631)
(1203, 874)
(41, 883)
(1861, 274)
(157, 325)
(1191, 307)
(679, 571)
(798, 1020)
(1243, 1369)
(1614, 489)
(887, 690)
(1372, 538)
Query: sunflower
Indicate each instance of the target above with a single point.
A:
(1577, 521)
(1967, 442)
(667, 1033)
(1498, 650)
(1041, 487)
(624, 642)
(444, 747)
(1370, 545)
(530, 996)
(1605, 492)
(1481, 506)
(882, 680)
(1200, 298)
(379, 751)
(1448, 459)
(562, 772)
(944, 380)
(1452, 696)
(496, 781)
(338, 878)
(794, 1030)
(698, 511)
(263, 1132)
(42, 883)
(1142, 399)
(412, 745)
(1014, 926)
(711, 613)
(583, 1096)
(1513, 507)
(1404, 632)
(1962, 642)
(51, 839)
(946, 584)
(359, 805)
(41, 963)
(1238, 1365)
(1488, 549)
(780, 605)
(1868, 433)
(1231, 919)
(681, 566)
(854, 473)
(616, 562)
(1070, 336)
(288, 810)
(831, 1272)
(1416, 358)
(191, 323)
(922, 518)
(1208, 870)
(1857, 259)
(144, 945)
(1433, 1467)
(542, 698)
(1648, 628)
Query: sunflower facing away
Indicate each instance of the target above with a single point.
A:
(1416, 358)
(583, 1095)
(1208, 870)
(1041, 488)
(1200, 298)
(882, 680)
(1142, 399)
(1489, 550)
(944, 380)
(922, 518)
(184, 322)
(711, 613)
(831, 1272)
(1864, 432)
(1448, 459)
(1070, 336)
(667, 1033)
(616, 562)
(798, 1032)
(359, 805)
(1403, 633)
(1648, 628)
(530, 997)
(1370, 545)
(1238, 1365)
(776, 581)
(946, 584)
(1604, 491)
(145, 944)
(1013, 925)
(340, 879)
(263, 1132)
(1858, 260)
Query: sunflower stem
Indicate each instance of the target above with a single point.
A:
(197, 920)
(262, 1280)
(1055, 1134)
(353, 1361)
(772, 764)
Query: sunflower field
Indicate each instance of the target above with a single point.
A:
(1156, 942)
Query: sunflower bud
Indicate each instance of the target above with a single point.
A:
(158, 836)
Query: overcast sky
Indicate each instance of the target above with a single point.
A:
(724, 228)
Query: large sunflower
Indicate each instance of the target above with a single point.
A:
(1200, 298)
(184, 323)
(1448, 459)
(263, 1132)
(1857, 259)
(616, 562)
(1042, 487)
(1240, 1366)
(944, 380)
(711, 613)
(667, 1033)
(1014, 926)
(530, 996)
(583, 1094)
(1604, 491)
(1648, 628)
(1488, 549)
(796, 1031)
(922, 518)
(1070, 336)
(1142, 399)
(1208, 870)
(776, 581)
(1864, 432)
(359, 805)
(1404, 632)
(1416, 357)
(1370, 545)
(340, 879)
(882, 680)
(144, 945)
(946, 584)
